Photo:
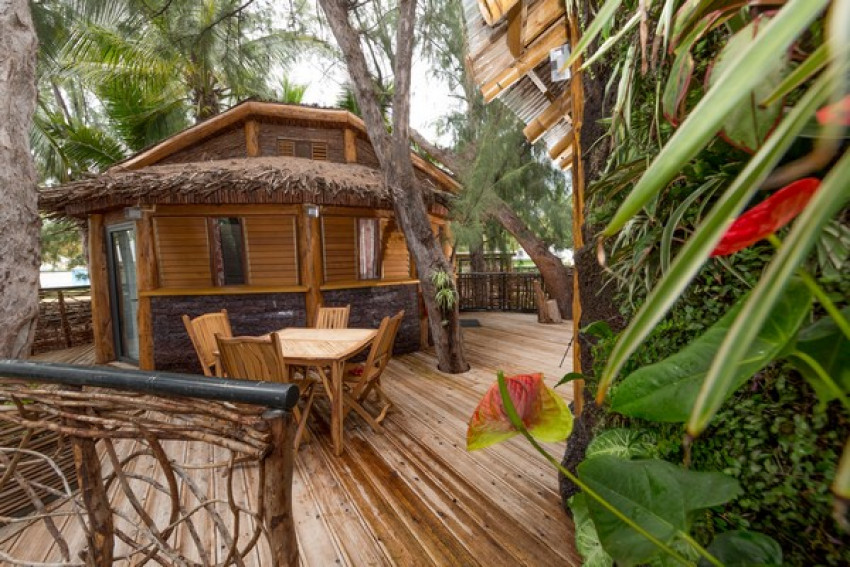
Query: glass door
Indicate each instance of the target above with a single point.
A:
(124, 296)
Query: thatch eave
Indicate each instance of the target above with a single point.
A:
(264, 180)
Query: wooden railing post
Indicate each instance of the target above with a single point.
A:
(101, 530)
(277, 468)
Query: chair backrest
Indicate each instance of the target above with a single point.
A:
(202, 331)
(253, 358)
(382, 348)
(333, 317)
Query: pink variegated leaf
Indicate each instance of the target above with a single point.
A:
(543, 413)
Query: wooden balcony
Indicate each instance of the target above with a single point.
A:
(412, 496)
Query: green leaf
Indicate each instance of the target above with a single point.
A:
(603, 18)
(667, 390)
(692, 256)
(748, 125)
(624, 443)
(600, 329)
(743, 73)
(825, 344)
(742, 548)
(655, 494)
(673, 220)
(826, 203)
(587, 540)
(569, 377)
(802, 73)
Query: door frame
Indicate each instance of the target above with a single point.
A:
(114, 311)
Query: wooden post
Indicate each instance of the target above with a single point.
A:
(350, 145)
(89, 475)
(277, 468)
(145, 281)
(310, 261)
(104, 343)
(577, 95)
(63, 319)
(252, 138)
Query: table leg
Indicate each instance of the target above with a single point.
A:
(337, 406)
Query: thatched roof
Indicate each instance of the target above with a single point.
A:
(515, 68)
(258, 180)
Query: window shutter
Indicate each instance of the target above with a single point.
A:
(286, 148)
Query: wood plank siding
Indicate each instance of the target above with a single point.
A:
(339, 248)
(272, 254)
(411, 495)
(183, 251)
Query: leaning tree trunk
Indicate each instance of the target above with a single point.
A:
(556, 278)
(19, 221)
(393, 153)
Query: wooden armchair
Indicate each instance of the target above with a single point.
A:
(261, 358)
(202, 332)
(333, 317)
(363, 379)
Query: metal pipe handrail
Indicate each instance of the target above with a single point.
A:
(272, 395)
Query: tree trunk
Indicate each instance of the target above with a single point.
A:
(19, 221)
(477, 262)
(556, 278)
(393, 153)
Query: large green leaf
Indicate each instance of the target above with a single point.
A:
(657, 495)
(587, 540)
(694, 253)
(667, 390)
(748, 125)
(622, 442)
(743, 73)
(824, 344)
(744, 549)
(829, 200)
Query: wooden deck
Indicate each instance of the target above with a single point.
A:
(414, 495)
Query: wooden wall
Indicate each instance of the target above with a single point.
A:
(339, 248)
(183, 252)
(271, 131)
(395, 258)
(223, 145)
(271, 250)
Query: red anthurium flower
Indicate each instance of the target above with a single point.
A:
(543, 412)
(767, 217)
(836, 113)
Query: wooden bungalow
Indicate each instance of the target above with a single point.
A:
(267, 210)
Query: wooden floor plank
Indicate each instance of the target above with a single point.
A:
(412, 495)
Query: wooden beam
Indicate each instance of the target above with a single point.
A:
(577, 88)
(252, 138)
(553, 37)
(104, 342)
(310, 262)
(146, 280)
(562, 146)
(494, 10)
(516, 18)
(548, 118)
(350, 137)
(540, 16)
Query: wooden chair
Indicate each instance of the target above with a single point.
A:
(202, 331)
(333, 317)
(261, 358)
(363, 379)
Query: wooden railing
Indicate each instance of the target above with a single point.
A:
(121, 426)
(499, 291)
(64, 318)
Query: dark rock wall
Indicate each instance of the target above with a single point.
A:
(250, 314)
(371, 304)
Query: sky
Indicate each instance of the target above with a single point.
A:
(430, 98)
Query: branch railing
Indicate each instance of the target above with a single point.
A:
(172, 469)
(497, 291)
(64, 318)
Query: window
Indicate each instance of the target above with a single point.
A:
(320, 151)
(302, 148)
(286, 148)
(368, 247)
(228, 251)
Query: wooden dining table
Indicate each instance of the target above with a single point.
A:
(326, 348)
